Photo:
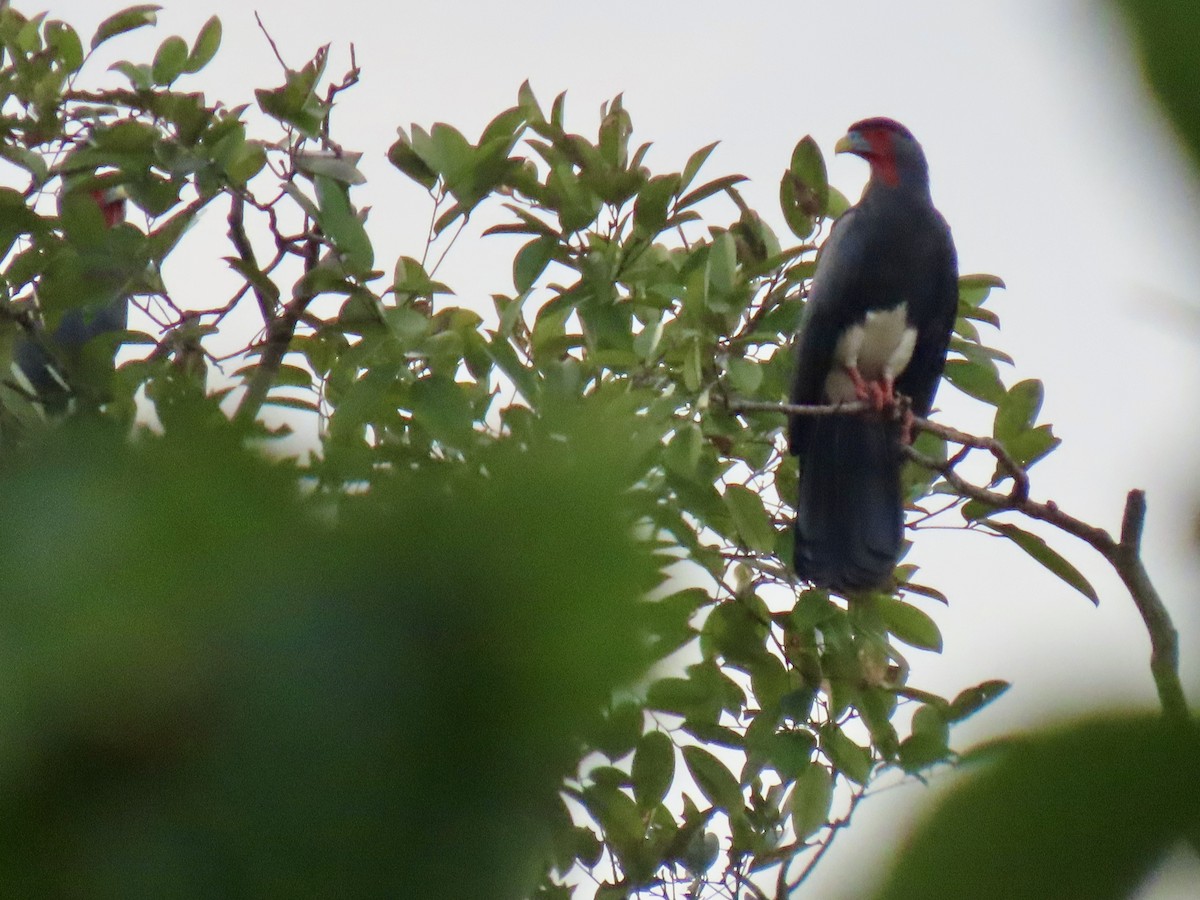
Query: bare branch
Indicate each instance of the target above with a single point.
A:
(1124, 555)
(793, 409)
(270, 40)
(834, 827)
(241, 243)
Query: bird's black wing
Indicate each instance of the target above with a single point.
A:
(933, 309)
(830, 309)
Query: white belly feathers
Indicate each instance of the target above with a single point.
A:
(880, 346)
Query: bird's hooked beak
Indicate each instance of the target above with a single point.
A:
(854, 142)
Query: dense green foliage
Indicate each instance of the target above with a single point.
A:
(526, 616)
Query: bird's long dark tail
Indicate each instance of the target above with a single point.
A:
(849, 517)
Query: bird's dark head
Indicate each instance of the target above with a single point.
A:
(893, 153)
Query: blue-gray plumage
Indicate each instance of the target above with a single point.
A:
(46, 362)
(877, 322)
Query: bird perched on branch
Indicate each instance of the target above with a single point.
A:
(47, 364)
(877, 324)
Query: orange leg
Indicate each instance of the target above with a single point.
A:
(862, 389)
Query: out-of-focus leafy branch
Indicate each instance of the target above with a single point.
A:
(640, 301)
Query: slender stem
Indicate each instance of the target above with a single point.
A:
(823, 847)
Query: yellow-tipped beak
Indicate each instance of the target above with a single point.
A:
(853, 142)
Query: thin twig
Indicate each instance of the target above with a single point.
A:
(834, 828)
(270, 40)
(744, 881)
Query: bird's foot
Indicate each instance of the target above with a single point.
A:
(881, 394)
(862, 388)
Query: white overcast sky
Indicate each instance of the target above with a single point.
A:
(1050, 165)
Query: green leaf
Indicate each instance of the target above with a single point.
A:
(714, 780)
(1018, 410)
(1040, 551)
(973, 289)
(790, 752)
(769, 679)
(700, 852)
(847, 757)
(750, 516)
(528, 102)
(720, 271)
(293, 376)
(126, 20)
(208, 41)
(813, 608)
(837, 204)
(910, 624)
(169, 60)
(339, 220)
(341, 167)
(65, 41)
(975, 379)
(296, 103)
(653, 200)
(308, 406)
(735, 631)
(973, 699)
(804, 188)
(618, 732)
(921, 750)
(440, 405)
(1032, 445)
(694, 164)
(653, 769)
(247, 162)
(707, 190)
(402, 155)
(503, 355)
(1086, 810)
(715, 734)
(688, 697)
(745, 375)
(811, 800)
(139, 76)
(618, 815)
(531, 261)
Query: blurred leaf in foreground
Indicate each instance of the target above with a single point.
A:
(208, 685)
(1082, 811)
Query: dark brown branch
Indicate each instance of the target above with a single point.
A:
(279, 337)
(114, 97)
(280, 330)
(1123, 555)
(241, 243)
(1164, 639)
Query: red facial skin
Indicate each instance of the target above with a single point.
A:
(112, 208)
(880, 156)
